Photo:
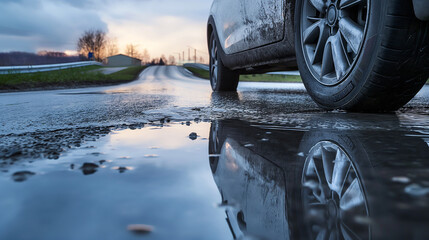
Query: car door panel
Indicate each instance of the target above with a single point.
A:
(265, 21)
(247, 24)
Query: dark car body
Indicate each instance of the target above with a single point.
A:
(259, 171)
(263, 32)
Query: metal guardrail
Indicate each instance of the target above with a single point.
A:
(45, 68)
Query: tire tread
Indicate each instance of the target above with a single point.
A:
(401, 68)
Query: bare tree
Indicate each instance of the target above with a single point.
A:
(92, 41)
(171, 60)
(112, 47)
(163, 60)
(154, 61)
(145, 56)
(132, 50)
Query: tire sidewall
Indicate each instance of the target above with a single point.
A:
(344, 94)
(213, 85)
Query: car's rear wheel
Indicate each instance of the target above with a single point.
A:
(221, 78)
(361, 55)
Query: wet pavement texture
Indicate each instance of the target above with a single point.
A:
(164, 158)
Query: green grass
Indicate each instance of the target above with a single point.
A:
(127, 74)
(250, 78)
(269, 78)
(67, 77)
(253, 78)
(199, 72)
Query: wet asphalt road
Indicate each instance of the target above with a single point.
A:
(263, 163)
(160, 92)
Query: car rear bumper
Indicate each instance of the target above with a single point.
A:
(421, 8)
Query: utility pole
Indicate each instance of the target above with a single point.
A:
(189, 54)
(179, 57)
(183, 56)
(195, 58)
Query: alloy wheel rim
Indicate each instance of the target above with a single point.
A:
(213, 63)
(333, 196)
(332, 35)
(214, 137)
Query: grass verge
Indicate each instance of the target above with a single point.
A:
(270, 78)
(127, 74)
(199, 72)
(254, 77)
(73, 77)
(250, 78)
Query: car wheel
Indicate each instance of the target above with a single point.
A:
(221, 78)
(361, 55)
(321, 207)
(333, 195)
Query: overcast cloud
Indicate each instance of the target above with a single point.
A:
(162, 26)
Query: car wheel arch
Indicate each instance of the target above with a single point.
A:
(211, 28)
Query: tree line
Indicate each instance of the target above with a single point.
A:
(102, 46)
(94, 41)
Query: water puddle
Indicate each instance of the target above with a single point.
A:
(227, 179)
(156, 176)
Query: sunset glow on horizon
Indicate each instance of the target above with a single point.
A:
(164, 27)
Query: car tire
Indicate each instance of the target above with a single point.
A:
(376, 155)
(222, 79)
(381, 67)
(314, 143)
(215, 144)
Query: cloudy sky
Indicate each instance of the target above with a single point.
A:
(161, 26)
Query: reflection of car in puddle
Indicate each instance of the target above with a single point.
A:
(332, 196)
(252, 189)
(321, 184)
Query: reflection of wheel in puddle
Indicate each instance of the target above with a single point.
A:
(334, 202)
